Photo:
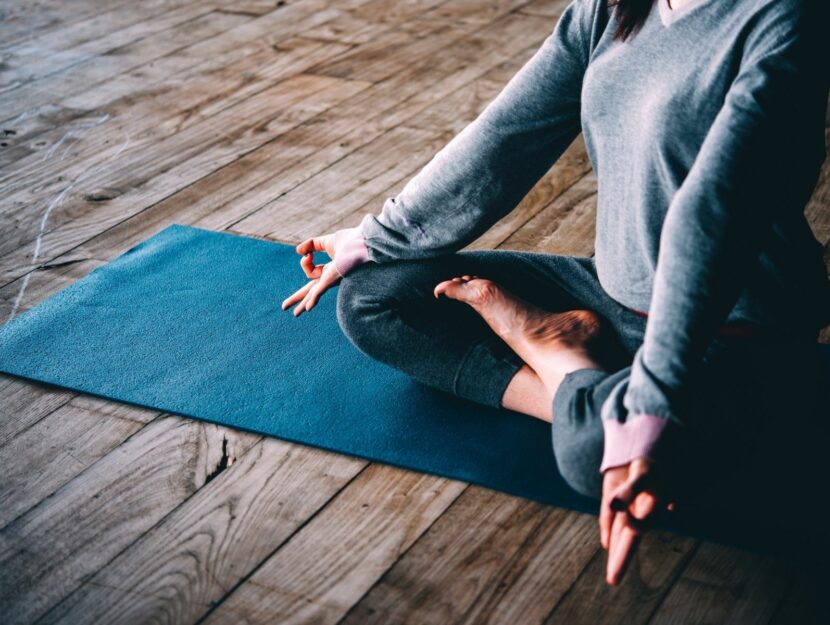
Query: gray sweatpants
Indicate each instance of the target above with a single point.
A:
(756, 389)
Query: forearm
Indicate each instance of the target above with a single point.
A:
(486, 170)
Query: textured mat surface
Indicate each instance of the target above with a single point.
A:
(189, 322)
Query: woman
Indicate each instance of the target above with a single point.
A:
(656, 359)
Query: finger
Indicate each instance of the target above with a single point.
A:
(311, 270)
(622, 549)
(616, 529)
(671, 506)
(610, 480)
(297, 295)
(314, 244)
(307, 301)
(316, 291)
(606, 518)
(644, 504)
(301, 307)
(624, 495)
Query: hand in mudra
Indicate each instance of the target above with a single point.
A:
(323, 277)
(631, 494)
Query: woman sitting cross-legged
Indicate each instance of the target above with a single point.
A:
(693, 329)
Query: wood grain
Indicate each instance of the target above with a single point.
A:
(60, 446)
(317, 576)
(214, 540)
(49, 551)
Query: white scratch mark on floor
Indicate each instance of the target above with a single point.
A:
(19, 118)
(68, 133)
(45, 218)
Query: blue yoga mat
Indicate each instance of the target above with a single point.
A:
(189, 322)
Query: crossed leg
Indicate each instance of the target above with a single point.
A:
(437, 321)
(552, 344)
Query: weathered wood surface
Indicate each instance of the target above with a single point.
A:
(285, 119)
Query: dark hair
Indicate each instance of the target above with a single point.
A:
(630, 16)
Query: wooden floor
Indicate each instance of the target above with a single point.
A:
(284, 119)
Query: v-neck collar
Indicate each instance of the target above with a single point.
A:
(669, 16)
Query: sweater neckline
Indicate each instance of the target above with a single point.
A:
(669, 16)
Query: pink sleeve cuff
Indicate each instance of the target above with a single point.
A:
(637, 437)
(350, 250)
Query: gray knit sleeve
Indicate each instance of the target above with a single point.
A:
(486, 169)
(756, 164)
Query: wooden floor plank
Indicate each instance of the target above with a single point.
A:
(149, 113)
(463, 555)
(22, 21)
(565, 226)
(261, 220)
(817, 207)
(191, 108)
(49, 551)
(22, 404)
(543, 572)
(724, 585)
(150, 173)
(546, 8)
(343, 186)
(48, 192)
(180, 82)
(212, 541)
(657, 563)
(320, 573)
(61, 446)
(56, 51)
(116, 61)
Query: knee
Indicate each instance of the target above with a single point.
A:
(358, 301)
(578, 453)
(372, 294)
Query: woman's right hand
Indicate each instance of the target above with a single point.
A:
(631, 495)
(323, 277)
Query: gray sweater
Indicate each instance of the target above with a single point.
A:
(706, 133)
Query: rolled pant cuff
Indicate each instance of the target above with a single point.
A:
(483, 374)
(572, 382)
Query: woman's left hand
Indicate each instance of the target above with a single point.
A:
(631, 493)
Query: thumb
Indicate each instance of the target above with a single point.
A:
(644, 504)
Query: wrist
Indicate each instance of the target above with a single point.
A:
(640, 436)
(349, 250)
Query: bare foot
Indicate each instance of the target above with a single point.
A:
(552, 344)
